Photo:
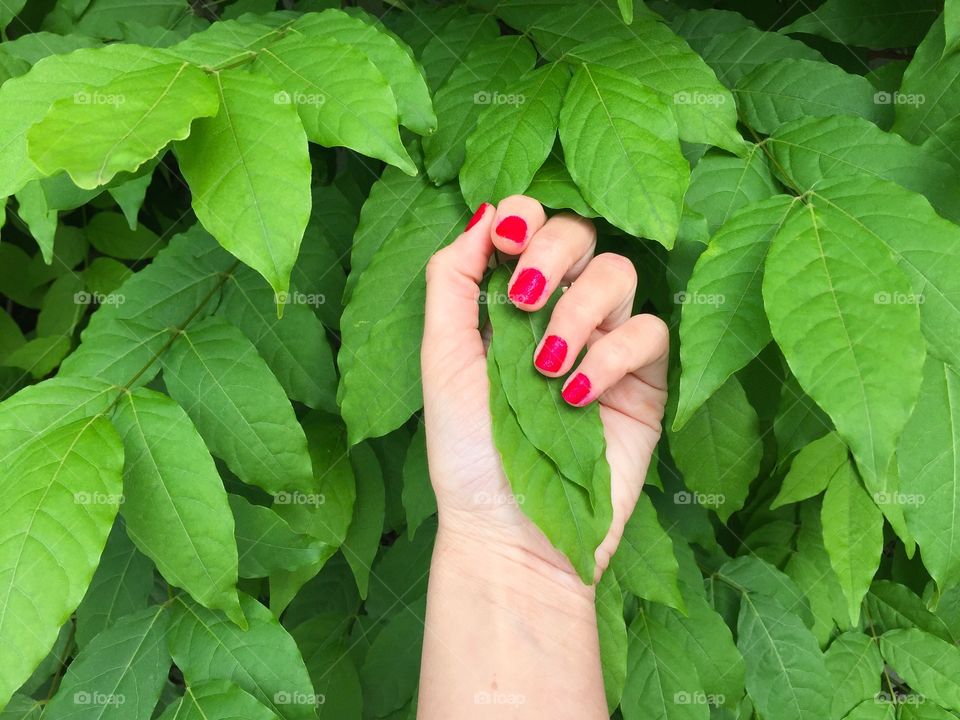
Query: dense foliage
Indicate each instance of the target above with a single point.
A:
(213, 479)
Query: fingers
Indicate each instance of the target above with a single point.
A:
(453, 277)
(560, 249)
(518, 218)
(635, 352)
(601, 297)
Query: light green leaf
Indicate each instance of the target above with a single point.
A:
(930, 472)
(217, 700)
(612, 630)
(486, 74)
(382, 323)
(718, 450)
(393, 58)
(621, 148)
(928, 96)
(342, 98)
(119, 674)
(262, 660)
(265, 541)
(928, 664)
(249, 172)
(239, 407)
(118, 126)
(62, 491)
(876, 24)
(226, 42)
(753, 575)
(513, 136)
(175, 506)
(854, 663)
(295, 347)
(890, 605)
(732, 55)
(362, 540)
(778, 92)
(823, 288)
(812, 470)
(33, 209)
(553, 187)
(644, 561)
(723, 325)
(721, 185)
(852, 535)
(39, 356)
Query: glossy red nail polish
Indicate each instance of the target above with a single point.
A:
(513, 228)
(551, 355)
(528, 287)
(577, 389)
(477, 215)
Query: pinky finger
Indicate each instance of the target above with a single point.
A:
(628, 366)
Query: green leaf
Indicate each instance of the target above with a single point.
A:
(753, 575)
(854, 663)
(852, 535)
(644, 562)
(265, 541)
(928, 99)
(217, 700)
(513, 136)
(553, 187)
(419, 500)
(890, 605)
(813, 469)
(239, 407)
(718, 450)
(786, 675)
(62, 490)
(662, 682)
(120, 673)
(342, 98)
(484, 76)
(732, 55)
(572, 438)
(120, 586)
(22, 707)
(876, 24)
(33, 209)
(363, 537)
(110, 234)
(391, 667)
(823, 288)
(612, 631)
(446, 47)
(723, 325)
(663, 62)
(393, 58)
(930, 472)
(616, 133)
(721, 185)
(175, 506)
(295, 347)
(699, 27)
(39, 356)
(926, 662)
(118, 126)
(383, 321)
(399, 577)
(249, 172)
(778, 92)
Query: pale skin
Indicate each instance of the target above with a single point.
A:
(510, 628)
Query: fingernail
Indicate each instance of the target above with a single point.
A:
(477, 215)
(528, 286)
(513, 228)
(551, 355)
(577, 389)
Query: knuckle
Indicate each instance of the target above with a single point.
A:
(658, 331)
(617, 355)
(437, 265)
(617, 265)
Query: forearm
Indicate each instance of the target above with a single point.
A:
(507, 635)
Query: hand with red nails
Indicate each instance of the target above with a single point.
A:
(484, 539)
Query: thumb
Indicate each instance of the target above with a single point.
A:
(451, 336)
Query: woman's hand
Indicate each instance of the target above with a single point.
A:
(624, 368)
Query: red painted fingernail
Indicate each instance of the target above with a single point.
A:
(551, 355)
(528, 286)
(577, 389)
(513, 228)
(477, 215)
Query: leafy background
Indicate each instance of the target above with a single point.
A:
(213, 472)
